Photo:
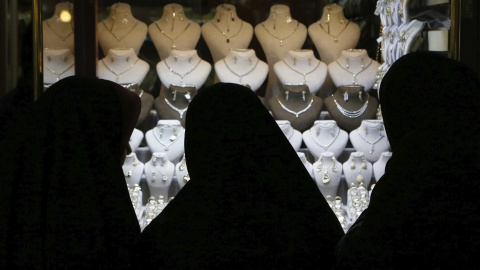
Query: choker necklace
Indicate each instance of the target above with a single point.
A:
(283, 38)
(293, 112)
(179, 111)
(223, 33)
(352, 114)
(326, 146)
(182, 76)
(240, 76)
(173, 139)
(326, 176)
(173, 46)
(121, 73)
(119, 38)
(372, 148)
(303, 74)
(63, 38)
(335, 38)
(58, 74)
(129, 173)
(354, 74)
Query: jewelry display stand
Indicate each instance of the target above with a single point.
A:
(132, 169)
(370, 139)
(293, 136)
(58, 30)
(173, 103)
(328, 173)
(379, 166)
(58, 64)
(159, 174)
(357, 170)
(325, 136)
(181, 172)
(121, 30)
(136, 139)
(167, 137)
(308, 165)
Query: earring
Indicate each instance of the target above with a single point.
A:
(153, 177)
(154, 161)
(174, 136)
(380, 131)
(161, 132)
(345, 96)
(303, 95)
(288, 19)
(334, 166)
(286, 95)
(326, 176)
(274, 17)
(174, 95)
(125, 19)
(360, 95)
(319, 166)
(181, 16)
(364, 163)
(352, 164)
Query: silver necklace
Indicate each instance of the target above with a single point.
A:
(352, 114)
(293, 112)
(58, 74)
(121, 73)
(182, 76)
(179, 111)
(354, 74)
(240, 76)
(283, 38)
(372, 148)
(167, 146)
(301, 73)
(173, 46)
(223, 33)
(119, 38)
(326, 146)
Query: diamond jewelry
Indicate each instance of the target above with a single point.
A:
(172, 139)
(240, 76)
(182, 76)
(324, 146)
(354, 74)
(372, 144)
(121, 73)
(352, 114)
(173, 46)
(335, 38)
(282, 38)
(224, 34)
(119, 38)
(301, 73)
(179, 111)
(293, 112)
(60, 73)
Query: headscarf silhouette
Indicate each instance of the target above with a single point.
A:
(425, 210)
(250, 203)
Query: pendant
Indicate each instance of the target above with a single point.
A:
(187, 96)
(335, 40)
(326, 177)
(128, 174)
(166, 148)
(173, 46)
(372, 149)
(186, 178)
(281, 42)
(360, 178)
(228, 40)
(164, 178)
(173, 137)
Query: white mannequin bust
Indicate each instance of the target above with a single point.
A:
(173, 31)
(325, 136)
(354, 67)
(226, 31)
(357, 170)
(328, 173)
(333, 33)
(370, 139)
(122, 66)
(121, 30)
(305, 162)
(132, 169)
(278, 34)
(58, 30)
(183, 67)
(379, 166)
(181, 172)
(293, 136)
(58, 64)
(301, 67)
(167, 137)
(136, 139)
(242, 66)
(159, 174)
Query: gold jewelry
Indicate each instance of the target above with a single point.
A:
(63, 38)
(173, 46)
(326, 175)
(183, 164)
(173, 139)
(223, 33)
(164, 174)
(119, 38)
(121, 73)
(335, 38)
(354, 74)
(282, 38)
(186, 178)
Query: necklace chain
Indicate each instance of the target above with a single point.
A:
(173, 46)
(129, 173)
(223, 33)
(372, 144)
(164, 174)
(167, 146)
(119, 38)
(240, 76)
(179, 111)
(121, 73)
(58, 74)
(294, 112)
(283, 38)
(63, 38)
(182, 76)
(303, 74)
(326, 146)
(354, 74)
(352, 114)
(335, 38)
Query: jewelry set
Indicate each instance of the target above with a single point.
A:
(326, 175)
(321, 126)
(158, 134)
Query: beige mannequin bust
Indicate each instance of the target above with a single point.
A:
(328, 173)
(278, 34)
(354, 67)
(167, 137)
(122, 66)
(173, 31)
(297, 105)
(370, 139)
(181, 172)
(325, 136)
(357, 170)
(58, 64)
(121, 30)
(173, 103)
(159, 174)
(350, 105)
(242, 66)
(132, 169)
(58, 30)
(293, 136)
(301, 67)
(226, 31)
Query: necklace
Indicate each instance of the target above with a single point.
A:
(167, 146)
(326, 146)
(182, 76)
(326, 176)
(283, 38)
(173, 46)
(354, 74)
(129, 87)
(352, 114)
(121, 73)
(119, 38)
(223, 33)
(303, 74)
(129, 173)
(293, 112)
(372, 148)
(164, 174)
(58, 74)
(335, 38)
(360, 177)
(240, 76)
(179, 111)
(186, 178)
(63, 38)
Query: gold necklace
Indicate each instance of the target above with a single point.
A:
(164, 174)
(173, 46)
(223, 33)
(129, 173)
(58, 74)
(326, 176)
(63, 38)
(121, 73)
(119, 38)
(335, 38)
(282, 38)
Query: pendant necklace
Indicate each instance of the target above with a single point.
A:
(182, 76)
(164, 174)
(121, 73)
(354, 74)
(360, 177)
(173, 46)
(326, 146)
(303, 74)
(119, 38)
(224, 34)
(352, 114)
(372, 144)
(59, 74)
(240, 76)
(294, 112)
(179, 111)
(63, 38)
(282, 38)
(129, 173)
(173, 139)
(335, 38)
(285, 129)
(326, 176)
